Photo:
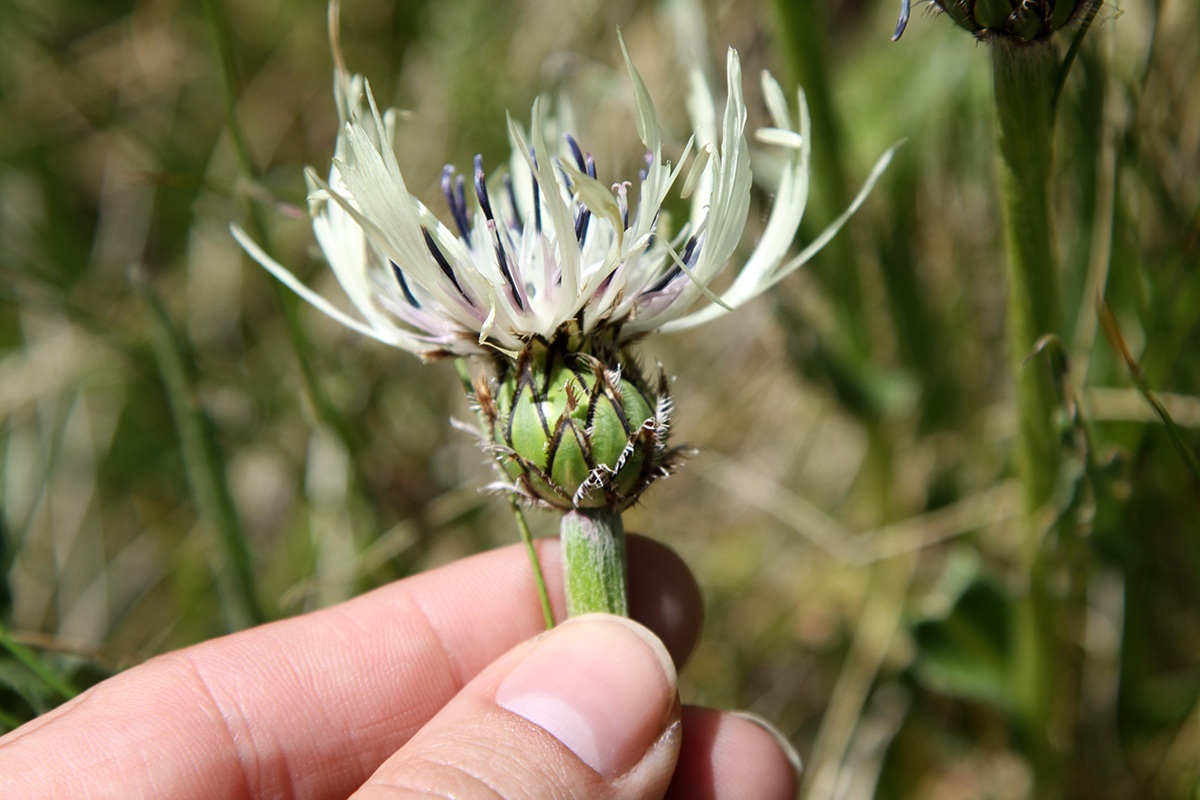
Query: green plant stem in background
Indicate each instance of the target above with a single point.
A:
(847, 346)
(874, 631)
(593, 552)
(1024, 79)
(350, 435)
(802, 39)
(205, 466)
(227, 63)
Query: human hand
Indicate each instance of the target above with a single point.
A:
(435, 686)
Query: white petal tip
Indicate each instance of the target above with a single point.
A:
(780, 138)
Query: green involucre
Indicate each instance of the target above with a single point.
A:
(575, 424)
(1015, 20)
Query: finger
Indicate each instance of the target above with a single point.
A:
(311, 706)
(727, 756)
(664, 596)
(588, 710)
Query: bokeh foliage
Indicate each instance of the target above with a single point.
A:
(184, 448)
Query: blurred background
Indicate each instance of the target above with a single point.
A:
(186, 449)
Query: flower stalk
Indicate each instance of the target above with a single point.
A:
(593, 547)
(1027, 74)
(1024, 78)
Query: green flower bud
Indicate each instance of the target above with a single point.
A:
(575, 424)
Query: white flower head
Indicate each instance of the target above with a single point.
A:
(549, 245)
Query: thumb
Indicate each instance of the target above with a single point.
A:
(588, 709)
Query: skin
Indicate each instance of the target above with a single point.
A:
(441, 685)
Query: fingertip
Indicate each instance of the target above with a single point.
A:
(603, 686)
(733, 755)
(784, 744)
(664, 595)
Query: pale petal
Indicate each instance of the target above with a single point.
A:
(392, 336)
(712, 312)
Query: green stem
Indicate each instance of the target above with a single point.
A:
(1024, 80)
(539, 578)
(1024, 83)
(593, 544)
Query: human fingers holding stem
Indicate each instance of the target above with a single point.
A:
(438, 683)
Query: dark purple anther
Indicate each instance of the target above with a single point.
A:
(456, 198)
(690, 252)
(503, 261)
(408, 295)
(576, 152)
(481, 189)
(537, 194)
(581, 223)
(440, 258)
(588, 167)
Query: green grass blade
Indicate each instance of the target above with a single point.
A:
(30, 661)
(1113, 330)
(204, 464)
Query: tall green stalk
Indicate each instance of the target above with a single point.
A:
(1024, 78)
(1027, 75)
(848, 349)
